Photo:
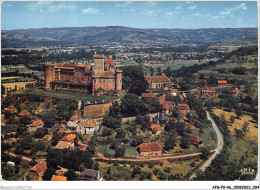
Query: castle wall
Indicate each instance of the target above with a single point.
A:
(104, 83)
(49, 76)
(118, 81)
(92, 111)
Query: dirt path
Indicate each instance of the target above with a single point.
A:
(218, 149)
(102, 157)
(22, 157)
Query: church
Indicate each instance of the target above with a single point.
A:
(100, 76)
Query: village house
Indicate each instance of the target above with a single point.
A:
(208, 91)
(35, 125)
(150, 149)
(235, 92)
(160, 119)
(90, 175)
(37, 171)
(11, 109)
(66, 142)
(73, 122)
(158, 82)
(184, 107)
(167, 107)
(174, 92)
(222, 83)
(146, 95)
(24, 112)
(196, 141)
(58, 178)
(155, 127)
(88, 126)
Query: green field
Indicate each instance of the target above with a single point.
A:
(69, 95)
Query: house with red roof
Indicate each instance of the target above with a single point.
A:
(150, 149)
(88, 126)
(24, 112)
(204, 90)
(58, 178)
(196, 140)
(35, 125)
(162, 98)
(174, 92)
(158, 82)
(11, 109)
(183, 107)
(146, 95)
(37, 171)
(235, 92)
(155, 127)
(167, 107)
(222, 83)
(66, 142)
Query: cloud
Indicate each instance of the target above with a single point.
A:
(189, 2)
(49, 6)
(178, 8)
(192, 7)
(90, 11)
(124, 4)
(196, 14)
(151, 12)
(151, 3)
(228, 11)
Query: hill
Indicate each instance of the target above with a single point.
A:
(123, 35)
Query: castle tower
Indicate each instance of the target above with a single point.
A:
(99, 61)
(118, 80)
(49, 75)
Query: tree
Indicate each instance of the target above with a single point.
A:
(144, 121)
(38, 146)
(120, 152)
(159, 71)
(232, 119)
(106, 132)
(25, 120)
(152, 71)
(185, 142)
(120, 133)
(40, 132)
(24, 143)
(54, 158)
(245, 127)
(170, 141)
(71, 175)
(212, 79)
(239, 133)
(137, 140)
(131, 105)
(238, 112)
(133, 80)
(96, 166)
(49, 119)
(48, 174)
(2, 89)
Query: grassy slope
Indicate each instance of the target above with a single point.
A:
(69, 95)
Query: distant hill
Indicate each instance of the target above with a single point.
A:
(124, 35)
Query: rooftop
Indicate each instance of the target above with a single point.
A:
(147, 147)
(40, 168)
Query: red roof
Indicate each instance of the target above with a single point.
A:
(69, 138)
(195, 140)
(63, 145)
(11, 108)
(155, 127)
(222, 82)
(24, 112)
(205, 88)
(162, 78)
(148, 147)
(161, 98)
(58, 178)
(110, 61)
(236, 90)
(174, 91)
(167, 105)
(73, 118)
(40, 168)
(147, 95)
(211, 90)
(36, 123)
(183, 107)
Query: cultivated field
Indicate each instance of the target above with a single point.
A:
(252, 134)
(19, 85)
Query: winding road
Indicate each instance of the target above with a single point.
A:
(218, 149)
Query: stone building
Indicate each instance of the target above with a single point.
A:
(100, 76)
(150, 149)
(158, 82)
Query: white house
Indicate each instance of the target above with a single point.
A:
(35, 125)
(10, 164)
(88, 126)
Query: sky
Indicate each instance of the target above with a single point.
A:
(137, 14)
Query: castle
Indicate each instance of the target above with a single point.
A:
(100, 76)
